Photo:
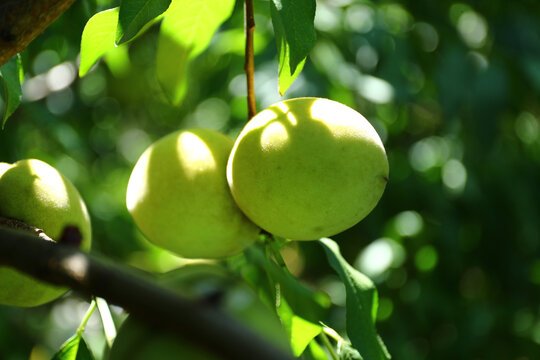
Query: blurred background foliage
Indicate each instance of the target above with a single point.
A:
(451, 87)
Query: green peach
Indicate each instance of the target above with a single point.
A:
(307, 168)
(37, 194)
(179, 198)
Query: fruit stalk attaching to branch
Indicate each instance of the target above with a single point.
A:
(141, 297)
(249, 65)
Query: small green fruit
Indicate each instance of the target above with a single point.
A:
(37, 194)
(179, 198)
(307, 168)
(139, 341)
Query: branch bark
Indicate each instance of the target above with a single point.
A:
(197, 322)
(21, 21)
(249, 65)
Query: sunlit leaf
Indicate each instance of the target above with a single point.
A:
(361, 305)
(293, 22)
(300, 331)
(97, 38)
(187, 28)
(298, 307)
(74, 348)
(109, 327)
(10, 74)
(135, 14)
(117, 61)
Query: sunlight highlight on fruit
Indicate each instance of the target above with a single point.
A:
(274, 137)
(196, 154)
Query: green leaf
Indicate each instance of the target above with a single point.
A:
(304, 302)
(135, 14)
(117, 61)
(361, 305)
(97, 38)
(11, 75)
(298, 307)
(255, 276)
(300, 331)
(293, 22)
(186, 31)
(74, 348)
(314, 352)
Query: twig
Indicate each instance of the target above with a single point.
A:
(249, 65)
(197, 322)
(276, 251)
(329, 346)
(21, 21)
(86, 317)
(16, 224)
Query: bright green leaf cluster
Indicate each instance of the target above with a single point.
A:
(186, 31)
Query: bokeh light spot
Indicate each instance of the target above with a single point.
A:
(429, 38)
(426, 258)
(212, 113)
(61, 76)
(473, 29)
(408, 223)
(359, 18)
(378, 256)
(132, 143)
(454, 175)
(60, 102)
(527, 128)
(386, 308)
(375, 89)
(429, 152)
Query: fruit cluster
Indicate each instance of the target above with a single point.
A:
(301, 169)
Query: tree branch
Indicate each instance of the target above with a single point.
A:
(196, 321)
(249, 65)
(21, 21)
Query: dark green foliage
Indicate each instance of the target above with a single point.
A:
(362, 304)
(135, 14)
(10, 78)
(442, 104)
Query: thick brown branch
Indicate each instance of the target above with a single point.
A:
(140, 296)
(249, 65)
(21, 21)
